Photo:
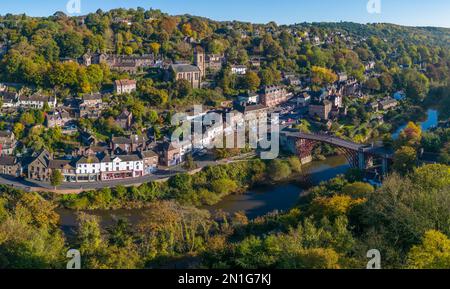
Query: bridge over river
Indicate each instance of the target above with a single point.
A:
(362, 156)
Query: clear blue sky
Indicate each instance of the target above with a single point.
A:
(405, 12)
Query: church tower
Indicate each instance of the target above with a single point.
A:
(199, 60)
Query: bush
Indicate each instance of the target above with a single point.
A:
(358, 190)
(278, 170)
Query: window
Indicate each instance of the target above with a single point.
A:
(196, 76)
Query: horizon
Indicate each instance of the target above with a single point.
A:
(410, 13)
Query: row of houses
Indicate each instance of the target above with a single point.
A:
(384, 104)
(269, 96)
(36, 101)
(123, 63)
(93, 168)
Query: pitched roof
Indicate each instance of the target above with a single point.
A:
(5, 133)
(124, 115)
(121, 82)
(148, 154)
(8, 160)
(59, 164)
(179, 68)
(43, 156)
(34, 97)
(129, 158)
(256, 107)
(87, 160)
(92, 96)
(121, 140)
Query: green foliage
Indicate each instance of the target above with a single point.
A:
(279, 170)
(432, 253)
(29, 235)
(56, 178)
(405, 159)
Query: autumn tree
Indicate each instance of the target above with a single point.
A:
(410, 136)
(251, 81)
(432, 253)
(321, 76)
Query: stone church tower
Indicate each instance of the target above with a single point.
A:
(199, 60)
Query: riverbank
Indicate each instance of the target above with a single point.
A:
(255, 202)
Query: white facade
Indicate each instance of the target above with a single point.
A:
(36, 102)
(114, 165)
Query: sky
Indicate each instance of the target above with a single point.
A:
(403, 12)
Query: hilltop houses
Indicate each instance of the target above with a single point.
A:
(122, 63)
(187, 72)
(123, 86)
(274, 95)
(9, 165)
(8, 143)
(36, 101)
(195, 73)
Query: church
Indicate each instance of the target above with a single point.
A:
(194, 74)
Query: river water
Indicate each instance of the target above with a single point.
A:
(256, 202)
(432, 121)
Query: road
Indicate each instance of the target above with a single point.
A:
(161, 175)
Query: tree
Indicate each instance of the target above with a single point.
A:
(404, 208)
(386, 82)
(189, 163)
(333, 207)
(182, 88)
(295, 164)
(321, 76)
(56, 178)
(181, 182)
(18, 129)
(251, 81)
(155, 47)
(432, 253)
(416, 85)
(405, 159)
(279, 170)
(315, 258)
(224, 186)
(304, 126)
(410, 136)
(358, 189)
(71, 44)
(372, 84)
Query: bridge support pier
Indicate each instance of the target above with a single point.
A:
(384, 166)
(361, 160)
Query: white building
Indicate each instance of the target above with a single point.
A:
(109, 168)
(36, 101)
(124, 86)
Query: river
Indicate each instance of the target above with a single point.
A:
(432, 121)
(256, 202)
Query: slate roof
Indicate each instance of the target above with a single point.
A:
(8, 160)
(180, 68)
